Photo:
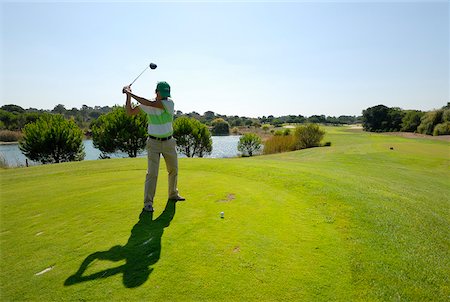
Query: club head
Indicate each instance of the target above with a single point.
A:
(153, 66)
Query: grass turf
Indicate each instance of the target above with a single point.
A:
(354, 221)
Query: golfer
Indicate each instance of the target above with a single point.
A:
(160, 141)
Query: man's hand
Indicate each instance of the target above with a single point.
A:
(126, 89)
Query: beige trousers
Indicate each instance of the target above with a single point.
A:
(154, 150)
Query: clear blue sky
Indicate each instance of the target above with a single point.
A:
(234, 58)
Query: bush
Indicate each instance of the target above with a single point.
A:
(277, 144)
(429, 121)
(193, 138)
(52, 139)
(308, 136)
(278, 132)
(249, 143)
(442, 129)
(117, 130)
(10, 136)
(265, 127)
(235, 130)
(446, 115)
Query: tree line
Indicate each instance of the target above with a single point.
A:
(381, 118)
(14, 117)
(378, 118)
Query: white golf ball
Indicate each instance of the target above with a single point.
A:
(222, 214)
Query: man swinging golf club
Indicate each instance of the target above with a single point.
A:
(160, 141)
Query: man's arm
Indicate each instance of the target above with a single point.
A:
(130, 110)
(155, 104)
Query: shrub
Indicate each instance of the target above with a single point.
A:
(249, 144)
(235, 130)
(446, 115)
(10, 136)
(278, 133)
(265, 127)
(442, 129)
(52, 139)
(277, 144)
(117, 130)
(429, 121)
(308, 136)
(193, 138)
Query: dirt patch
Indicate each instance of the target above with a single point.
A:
(237, 249)
(230, 197)
(418, 135)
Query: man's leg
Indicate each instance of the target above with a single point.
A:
(153, 155)
(171, 158)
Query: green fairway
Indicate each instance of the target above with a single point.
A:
(354, 221)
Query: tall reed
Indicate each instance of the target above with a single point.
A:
(279, 143)
(10, 136)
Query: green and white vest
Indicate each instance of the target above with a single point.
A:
(160, 120)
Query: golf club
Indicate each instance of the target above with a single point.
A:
(152, 66)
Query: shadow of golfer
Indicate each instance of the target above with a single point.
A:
(142, 250)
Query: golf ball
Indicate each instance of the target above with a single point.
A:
(222, 214)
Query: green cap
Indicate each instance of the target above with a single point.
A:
(164, 89)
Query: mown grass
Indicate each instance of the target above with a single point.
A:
(355, 221)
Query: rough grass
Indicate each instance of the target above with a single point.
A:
(279, 143)
(356, 221)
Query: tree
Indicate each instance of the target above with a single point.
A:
(375, 118)
(209, 115)
(381, 118)
(395, 117)
(13, 108)
(443, 128)
(8, 120)
(308, 136)
(249, 143)
(220, 127)
(411, 120)
(52, 139)
(193, 138)
(60, 109)
(118, 131)
(429, 121)
(317, 119)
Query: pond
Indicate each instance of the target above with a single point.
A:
(223, 146)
